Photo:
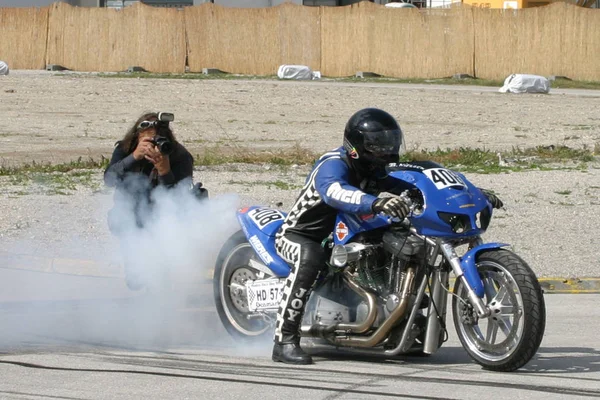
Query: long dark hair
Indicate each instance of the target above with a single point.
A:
(130, 140)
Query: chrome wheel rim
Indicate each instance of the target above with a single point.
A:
(234, 274)
(497, 337)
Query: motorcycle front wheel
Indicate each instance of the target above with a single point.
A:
(511, 335)
(232, 270)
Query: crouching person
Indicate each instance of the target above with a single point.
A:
(148, 157)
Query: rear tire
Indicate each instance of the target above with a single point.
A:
(510, 337)
(232, 270)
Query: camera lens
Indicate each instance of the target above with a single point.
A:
(164, 145)
(166, 148)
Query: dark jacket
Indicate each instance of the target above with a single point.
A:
(134, 181)
(122, 164)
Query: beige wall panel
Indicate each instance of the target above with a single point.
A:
(403, 43)
(560, 39)
(23, 33)
(252, 41)
(101, 39)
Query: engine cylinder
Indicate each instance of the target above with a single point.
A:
(402, 244)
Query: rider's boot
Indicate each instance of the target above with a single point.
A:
(306, 259)
(290, 353)
(289, 318)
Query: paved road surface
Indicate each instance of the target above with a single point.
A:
(113, 345)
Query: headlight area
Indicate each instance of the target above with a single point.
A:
(460, 223)
(483, 217)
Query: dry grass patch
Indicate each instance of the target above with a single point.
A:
(217, 155)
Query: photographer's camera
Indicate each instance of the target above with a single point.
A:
(164, 145)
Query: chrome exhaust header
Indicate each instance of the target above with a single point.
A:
(381, 333)
(325, 331)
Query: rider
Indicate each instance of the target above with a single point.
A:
(347, 179)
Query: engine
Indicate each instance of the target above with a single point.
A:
(373, 270)
(378, 266)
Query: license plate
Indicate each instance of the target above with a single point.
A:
(264, 294)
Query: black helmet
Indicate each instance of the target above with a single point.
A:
(372, 139)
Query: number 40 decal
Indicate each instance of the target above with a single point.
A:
(443, 178)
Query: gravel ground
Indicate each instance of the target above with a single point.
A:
(551, 217)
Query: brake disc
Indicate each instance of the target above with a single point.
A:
(237, 288)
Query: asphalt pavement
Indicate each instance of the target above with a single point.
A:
(114, 343)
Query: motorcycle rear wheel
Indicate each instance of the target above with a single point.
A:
(232, 270)
(510, 337)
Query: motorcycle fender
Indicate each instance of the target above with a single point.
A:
(470, 269)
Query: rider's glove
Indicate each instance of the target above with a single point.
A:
(492, 198)
(392, 206)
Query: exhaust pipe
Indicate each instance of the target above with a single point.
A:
(434, 332)
(318, 330)
(404, 344)
(388, 324)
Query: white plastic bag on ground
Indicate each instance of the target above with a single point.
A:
(301, 72)
(3, 68)
(523, 83)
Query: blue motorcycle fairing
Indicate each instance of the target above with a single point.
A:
(347, 226)
(443, 191)
(470, 269)
(260, 225)
(267, 220)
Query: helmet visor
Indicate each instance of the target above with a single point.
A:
(383, 143)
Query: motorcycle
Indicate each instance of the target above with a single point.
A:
(386, 285)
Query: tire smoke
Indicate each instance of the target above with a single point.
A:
(167, 264)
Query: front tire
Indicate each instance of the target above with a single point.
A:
(510, 337)
(232, 270)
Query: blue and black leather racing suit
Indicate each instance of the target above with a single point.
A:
(332, 186)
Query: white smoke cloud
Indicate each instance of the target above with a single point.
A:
(173, 253)
(180, 236)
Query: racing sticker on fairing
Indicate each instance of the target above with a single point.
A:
(341, 231)
(260, 249)
(264, 216)
(443, 178)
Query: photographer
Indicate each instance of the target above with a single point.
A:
(149, 148)
(146, 158)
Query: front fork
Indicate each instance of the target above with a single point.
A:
(470, 279)
(464, 268)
